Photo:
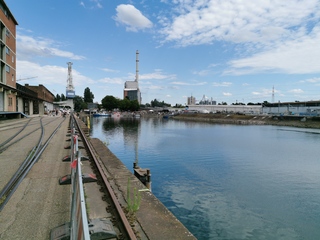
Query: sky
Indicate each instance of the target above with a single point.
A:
(233, 51)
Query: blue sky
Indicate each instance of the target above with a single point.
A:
(226, 50)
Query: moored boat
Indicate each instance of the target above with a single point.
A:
(101, 114)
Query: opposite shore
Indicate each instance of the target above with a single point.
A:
(290, 121)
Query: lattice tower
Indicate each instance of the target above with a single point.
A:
(69, 80)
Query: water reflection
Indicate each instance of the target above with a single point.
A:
(224, 181)
(130, 131)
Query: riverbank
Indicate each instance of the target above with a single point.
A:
(290, 121)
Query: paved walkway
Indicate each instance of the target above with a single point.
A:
(40, 203)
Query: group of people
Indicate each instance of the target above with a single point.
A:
(56, 112)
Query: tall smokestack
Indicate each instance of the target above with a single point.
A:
(137, 66)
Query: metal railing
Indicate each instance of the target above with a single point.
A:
(77, 228)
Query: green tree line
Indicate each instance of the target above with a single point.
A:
(109, 102)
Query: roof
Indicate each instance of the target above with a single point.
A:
(9, 12)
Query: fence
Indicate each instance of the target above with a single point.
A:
(80, 227)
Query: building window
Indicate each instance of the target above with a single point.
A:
(7, 51)
(10, 101)
(7, 33)
(12, 78)
(12, 59)
(7, 68)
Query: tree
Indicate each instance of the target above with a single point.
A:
(250, 103)
(124, 104)
(265, 103)
(156, 103)
(110, 102)
(134, 105)
(63, 97)
(88, 95)
(57, 98)
(178, 105)
(223, 103)
(79, 104)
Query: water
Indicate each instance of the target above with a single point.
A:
(226, 181)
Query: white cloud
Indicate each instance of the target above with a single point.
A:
(132, 18)
(264, 93)
(158, 75)
(112, 80)
(297, 56)
(202, 72)
(259, 21)
(311, 80)
(275, 35)
(109, 70)
(49, 75)
(29, 47)
(189, 84)
(227, 94)
(296, 91)
(154, 87)
(96, 4)
(222, 84)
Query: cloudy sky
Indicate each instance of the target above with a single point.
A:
(225, 50)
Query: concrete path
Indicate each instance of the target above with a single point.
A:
(40, 203)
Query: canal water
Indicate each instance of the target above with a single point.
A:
(226, 181)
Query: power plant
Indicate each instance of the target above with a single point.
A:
(131, 88)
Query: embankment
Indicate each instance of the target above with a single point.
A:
(292, 121)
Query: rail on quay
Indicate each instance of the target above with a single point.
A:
(79, 227)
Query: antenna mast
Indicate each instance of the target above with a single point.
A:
(272, 94)
(137, 66)
(70, 89)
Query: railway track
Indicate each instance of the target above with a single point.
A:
(29, 139)
(21, 145)
(115, 211)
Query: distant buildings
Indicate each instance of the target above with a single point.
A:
(204, 101)
(191, 101)
(131, 88)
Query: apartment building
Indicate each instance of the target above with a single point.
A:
(8, 90)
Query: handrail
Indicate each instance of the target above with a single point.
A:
(78, 227)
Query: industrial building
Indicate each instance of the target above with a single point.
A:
(33, 100)
(131, 88)
(306, 108)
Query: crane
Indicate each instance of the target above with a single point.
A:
(21, 79)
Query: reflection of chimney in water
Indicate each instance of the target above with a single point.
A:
(137, 66)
